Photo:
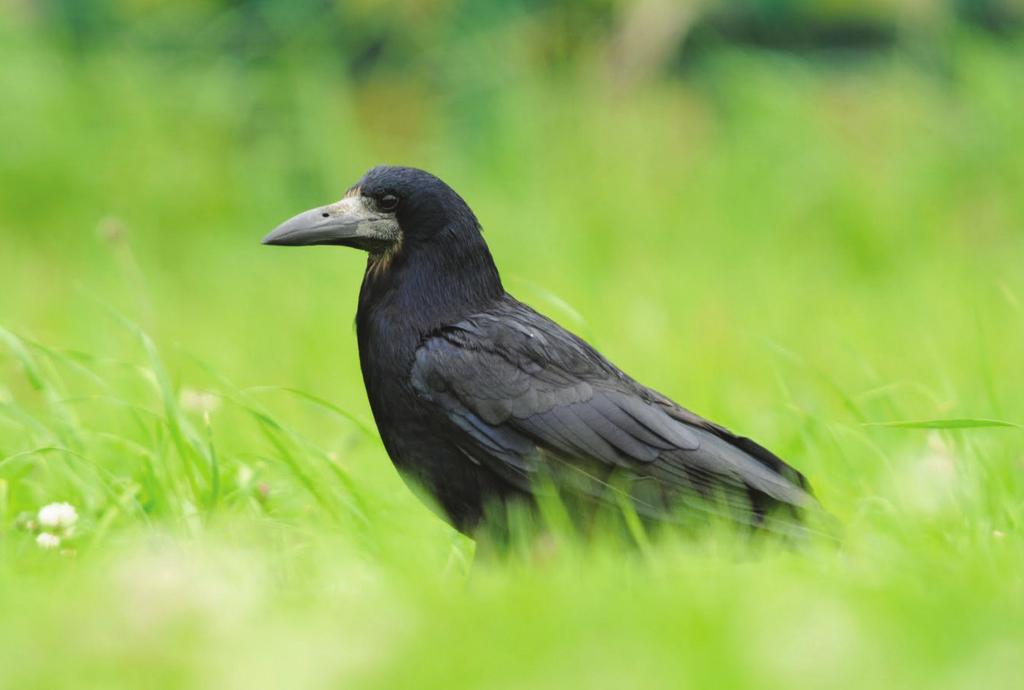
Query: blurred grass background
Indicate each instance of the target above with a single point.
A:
(797, 218)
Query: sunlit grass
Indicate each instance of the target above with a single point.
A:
(828, 260)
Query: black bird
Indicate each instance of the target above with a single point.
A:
(480, 400)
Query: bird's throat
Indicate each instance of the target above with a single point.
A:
(379, 262)
(426, 286)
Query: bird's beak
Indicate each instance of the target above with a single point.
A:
(350, 222)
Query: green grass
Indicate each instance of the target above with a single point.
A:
(827, 259)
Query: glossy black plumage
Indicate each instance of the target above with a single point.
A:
(477, 396)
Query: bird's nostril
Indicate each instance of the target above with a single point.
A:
(325, 214)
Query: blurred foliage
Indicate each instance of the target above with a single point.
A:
(365, 35)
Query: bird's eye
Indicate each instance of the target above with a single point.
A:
(388, 202)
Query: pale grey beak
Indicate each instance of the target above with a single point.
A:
(351, 222)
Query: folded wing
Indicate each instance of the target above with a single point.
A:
(528, 396)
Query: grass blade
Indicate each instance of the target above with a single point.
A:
(956, 423)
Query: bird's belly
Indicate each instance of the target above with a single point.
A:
(442, 476)
(421, 443)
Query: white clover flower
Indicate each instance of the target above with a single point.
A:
(199, 401)
(47, 540)
(58, 515)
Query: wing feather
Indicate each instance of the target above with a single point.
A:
(525, 391)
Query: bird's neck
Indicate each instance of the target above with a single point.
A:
(421, 288)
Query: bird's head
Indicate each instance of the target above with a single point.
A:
(390, 208)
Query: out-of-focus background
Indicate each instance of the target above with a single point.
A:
(803, 219)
